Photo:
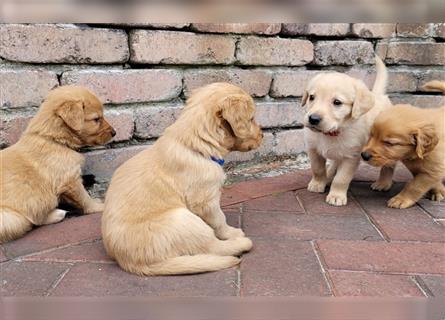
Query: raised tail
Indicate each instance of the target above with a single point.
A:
(381, 79)
(185, 265)
(434, 85)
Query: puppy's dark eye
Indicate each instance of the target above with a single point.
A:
(97, 120)
(311, 97)
(337, 102)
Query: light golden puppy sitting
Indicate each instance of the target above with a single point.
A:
(44, 166)
(340, 112)
(416, 137)
(162, 214)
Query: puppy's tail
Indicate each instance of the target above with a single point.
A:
(434, 85)
(381, 79)
(186, 265)
(12, 225)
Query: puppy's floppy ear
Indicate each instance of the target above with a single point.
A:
(363, 102)
(426, 140)
(233, 109)
(304, 98)
(72, 114)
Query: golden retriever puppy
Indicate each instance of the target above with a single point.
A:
(416, 137)
(340, 112)
(44, 166)
(162, 214)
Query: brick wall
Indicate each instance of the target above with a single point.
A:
(144, 72)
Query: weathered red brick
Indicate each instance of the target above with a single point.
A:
(279, 114)
(274, 51)
(413, 52)
(374, 30)
(122, 121)
(103, 163)
(376, 256)
(315, 203)
(439, 30)
(46, 43)
(240, 28)
(434, 208)
(277, 202)
(25, 88)
(172, 47)
(289, 142)
(422, 30)
(254, 82)
(421, 101)
(369, 284)
(296, 262)
(127, 86)
(345, 52)
(12, 127)
(291, 83)
(435, 284)
(153, 120)
(316, 29)
(30, 278)
(88, 279)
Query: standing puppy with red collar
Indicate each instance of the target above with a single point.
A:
(340, 111)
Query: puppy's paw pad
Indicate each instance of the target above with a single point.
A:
(55, 216)
(316, 186)
(336, 199)
(230, 233)
(381, 185)
(399, 202)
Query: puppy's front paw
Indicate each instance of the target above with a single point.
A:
(316, 186)
(55, 216)
(381, 185)
(96, 205)
(437, 195)
(400, 202)
(246, 244)
(337, 199)
(229, 233)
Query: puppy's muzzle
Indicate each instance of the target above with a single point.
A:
(314, 119)
(366, 156)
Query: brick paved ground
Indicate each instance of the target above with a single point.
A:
(302, 246)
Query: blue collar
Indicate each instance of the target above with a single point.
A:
(218, 161)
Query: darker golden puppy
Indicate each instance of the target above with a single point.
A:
(44, 166)
(416, 137)
(162, 213)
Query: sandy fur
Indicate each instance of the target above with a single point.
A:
(162, 214)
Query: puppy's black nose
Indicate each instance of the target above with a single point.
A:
(113, 132)
(314, 119)
(366, 156)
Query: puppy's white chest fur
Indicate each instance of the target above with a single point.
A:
(347, 144)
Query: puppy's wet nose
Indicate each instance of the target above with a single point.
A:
(314, 119)
(113, 132)
(366, 156)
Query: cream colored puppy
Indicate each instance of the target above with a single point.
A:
(340, 112)
(162, 214)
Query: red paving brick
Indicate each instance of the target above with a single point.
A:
(69, 231)
(277, 202)
(282, 268)
(281, 225)
(434, 208)
(3, 256)
(94, 251)
(378, 256)
(89, 279)
(409, 224)
(315, 203)
(29, 278)
(346, 283)
(435, 284)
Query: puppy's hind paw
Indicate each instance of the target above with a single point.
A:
(55, 216)
(381, 185)
(229, 233)
(399, 202)
(437, 195)
(337, 199)
(316, 186)
(95, 206)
